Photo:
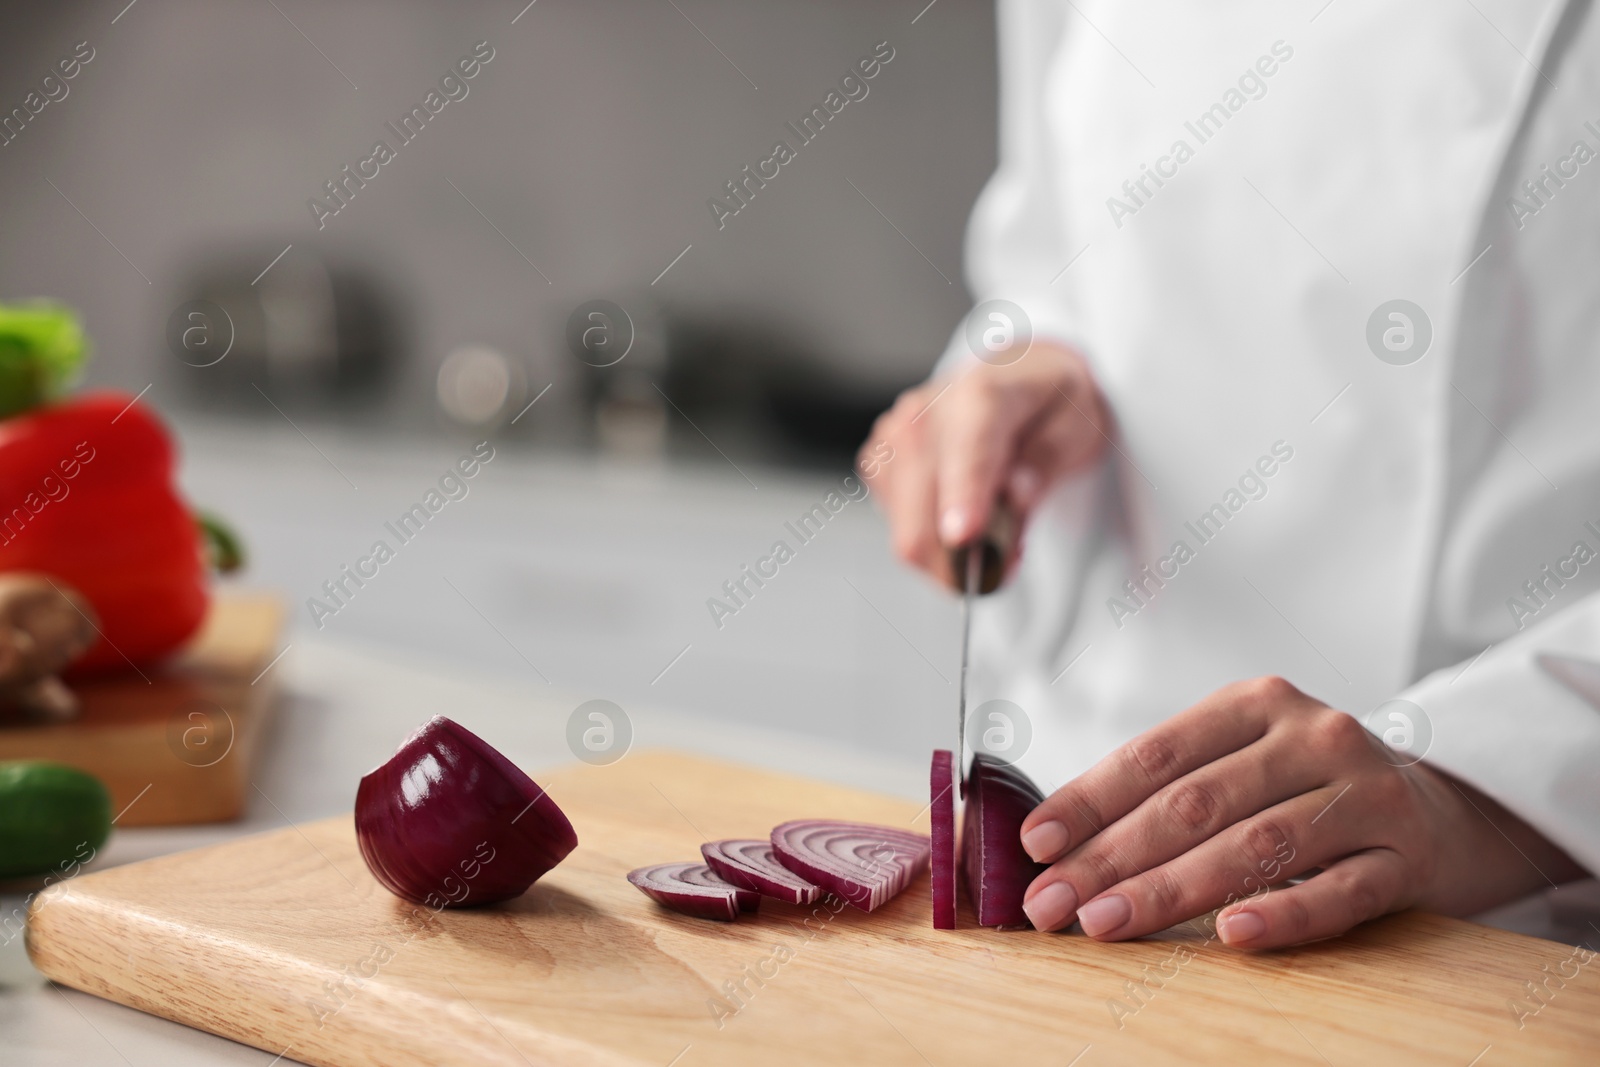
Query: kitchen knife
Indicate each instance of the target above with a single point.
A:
(979, 568)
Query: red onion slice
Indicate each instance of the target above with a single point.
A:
(998, 870)
(693, 889)
(942, 794)
(751, 865)
(703, 875)
(866, 865)
(450, 822)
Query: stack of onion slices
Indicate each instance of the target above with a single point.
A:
(865, 865)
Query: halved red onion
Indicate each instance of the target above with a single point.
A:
(942, 807)
(866, 865)
(998, 869)
(751, 865)
(694, 889)
(450, 822)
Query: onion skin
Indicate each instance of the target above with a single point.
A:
(880, 861)
(942, 808)
(450, 822)
(997, 867)
(752, 865)
(693, 889)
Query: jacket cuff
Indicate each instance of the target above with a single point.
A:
(1505, 723)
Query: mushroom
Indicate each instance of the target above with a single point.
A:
(44, 625)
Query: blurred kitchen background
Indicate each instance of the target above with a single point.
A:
(455, 288)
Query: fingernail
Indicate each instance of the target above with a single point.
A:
(1105, 915)
(953, 525)
(1046, 842)
(1051, 908)
(1240, 927)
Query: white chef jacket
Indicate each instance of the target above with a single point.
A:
(1225, 311)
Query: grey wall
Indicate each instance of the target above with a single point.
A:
(592, 140)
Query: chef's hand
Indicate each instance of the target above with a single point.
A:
(1256, 784)
(954, 445)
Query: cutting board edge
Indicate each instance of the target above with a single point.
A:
(101, 972)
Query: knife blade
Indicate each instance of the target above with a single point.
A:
(979, 568)
(972, 566)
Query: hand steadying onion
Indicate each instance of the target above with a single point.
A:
(450, 822)
(998, 870)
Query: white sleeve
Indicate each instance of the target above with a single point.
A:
(1509, 726)
(1015, 247)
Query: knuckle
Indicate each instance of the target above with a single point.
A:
(986, 381)
(978, 393)
(1086, 811)
(1271, 689)
(1334, 731)
(1363, 898)
(1152, 757)
(1192, 805)
(1293, 915)
(898, 419)
(1102, 870)
(907, 401)
(1263, 840)
(1164, 892)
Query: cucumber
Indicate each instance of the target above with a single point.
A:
(51, 817)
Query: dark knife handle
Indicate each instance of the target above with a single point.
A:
(996, 547)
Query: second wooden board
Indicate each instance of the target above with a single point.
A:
(174, 744)
(285, 941)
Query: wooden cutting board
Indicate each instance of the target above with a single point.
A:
(285, 941)
(175, 745)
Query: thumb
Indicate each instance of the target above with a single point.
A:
(978, 440)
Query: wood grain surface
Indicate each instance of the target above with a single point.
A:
(174, 744)
(285, 941)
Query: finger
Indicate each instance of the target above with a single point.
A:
(1244, 859)
(883, 428)
(1061, 442)
(1070, 434)
(1080, 393)
(1183, 815)
(906, 490)
(980, 423)
(1038, 465)
(1346, 894)
(1046, 454)
(1224, 722)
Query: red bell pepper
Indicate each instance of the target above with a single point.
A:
(87, 497)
